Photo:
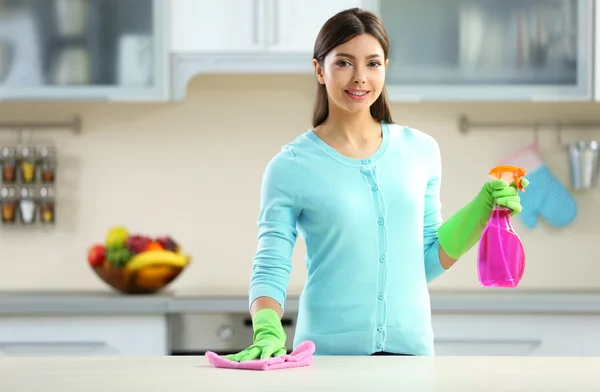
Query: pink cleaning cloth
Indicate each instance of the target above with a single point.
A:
(301, 356)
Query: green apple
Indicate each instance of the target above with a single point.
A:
(117, 236)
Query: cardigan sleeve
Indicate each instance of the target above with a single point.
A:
(277, 233)
(432, 218)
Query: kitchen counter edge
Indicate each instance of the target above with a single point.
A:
(90, 303)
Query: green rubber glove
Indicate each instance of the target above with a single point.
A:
(463, 230)
(269, 338)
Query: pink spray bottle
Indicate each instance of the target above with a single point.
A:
(501, 258)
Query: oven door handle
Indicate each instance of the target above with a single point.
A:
(286, 322)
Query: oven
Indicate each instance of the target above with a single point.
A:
(220, 332)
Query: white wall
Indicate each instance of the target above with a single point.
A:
(193, 170)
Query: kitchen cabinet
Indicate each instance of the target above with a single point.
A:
(479, 50)
(84, 336)
(242, 26)
(205, 26)
(516, 334)
(149, 50)
(246, 36)
(93, 50)
(457, 333)
(455, 50)
(287, 35)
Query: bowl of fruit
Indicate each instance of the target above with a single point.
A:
(135, 263)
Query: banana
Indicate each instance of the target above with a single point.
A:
(156, 257)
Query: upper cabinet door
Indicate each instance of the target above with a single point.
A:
(217, 26)
(82, 50)
(488, 49)
(296, 23)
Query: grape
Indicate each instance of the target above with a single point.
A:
(117, 255)
(137, 243)
(167, 243)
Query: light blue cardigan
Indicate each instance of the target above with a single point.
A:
(370, 228)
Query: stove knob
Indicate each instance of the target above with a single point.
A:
(225, 332)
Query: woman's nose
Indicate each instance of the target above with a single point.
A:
(359, 78)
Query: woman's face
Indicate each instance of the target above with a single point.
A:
(354, 73)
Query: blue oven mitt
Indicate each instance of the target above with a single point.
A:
(548, 198)
(545, 196)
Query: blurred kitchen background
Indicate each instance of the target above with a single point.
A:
(160, 116)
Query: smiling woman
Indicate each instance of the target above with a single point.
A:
(350, 58)
(364, 193)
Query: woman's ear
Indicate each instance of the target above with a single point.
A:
(318, 71)
(387, 62)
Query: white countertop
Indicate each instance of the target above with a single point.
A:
(424, 374)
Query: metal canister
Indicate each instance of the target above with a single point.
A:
(583, 157)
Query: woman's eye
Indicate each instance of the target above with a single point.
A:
(344, 63)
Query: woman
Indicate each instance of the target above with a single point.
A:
(364, 194)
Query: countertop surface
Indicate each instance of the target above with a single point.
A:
(111, 302)
(457, 374)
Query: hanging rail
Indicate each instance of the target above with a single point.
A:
(464, 124)
(74, 125)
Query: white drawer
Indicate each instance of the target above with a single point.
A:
(83, 336)
(517, 335)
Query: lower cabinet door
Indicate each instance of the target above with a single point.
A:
(516, 335)
(84, 336)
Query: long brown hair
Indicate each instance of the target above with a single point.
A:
(338, 30)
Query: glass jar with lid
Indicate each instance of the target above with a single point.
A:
(27, 164)
(47, 164)
(47, 204)
(9, 164)
(8, 201)
(28, 205)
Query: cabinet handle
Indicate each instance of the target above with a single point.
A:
(551, 98)
(531, 342)
(275, 19)
(58, 97)
(61, 347)
(255, 21)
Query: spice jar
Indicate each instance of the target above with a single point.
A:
(9, 165)
(8, 201)
(27, 165)
(47, 164)
(27, 205)
(47, 206)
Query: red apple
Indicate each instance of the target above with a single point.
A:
(96, 255)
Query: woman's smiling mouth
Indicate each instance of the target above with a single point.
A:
(357, 95)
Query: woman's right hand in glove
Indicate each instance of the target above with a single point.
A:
(269, 338)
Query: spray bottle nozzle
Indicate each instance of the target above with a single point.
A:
(509, 174)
